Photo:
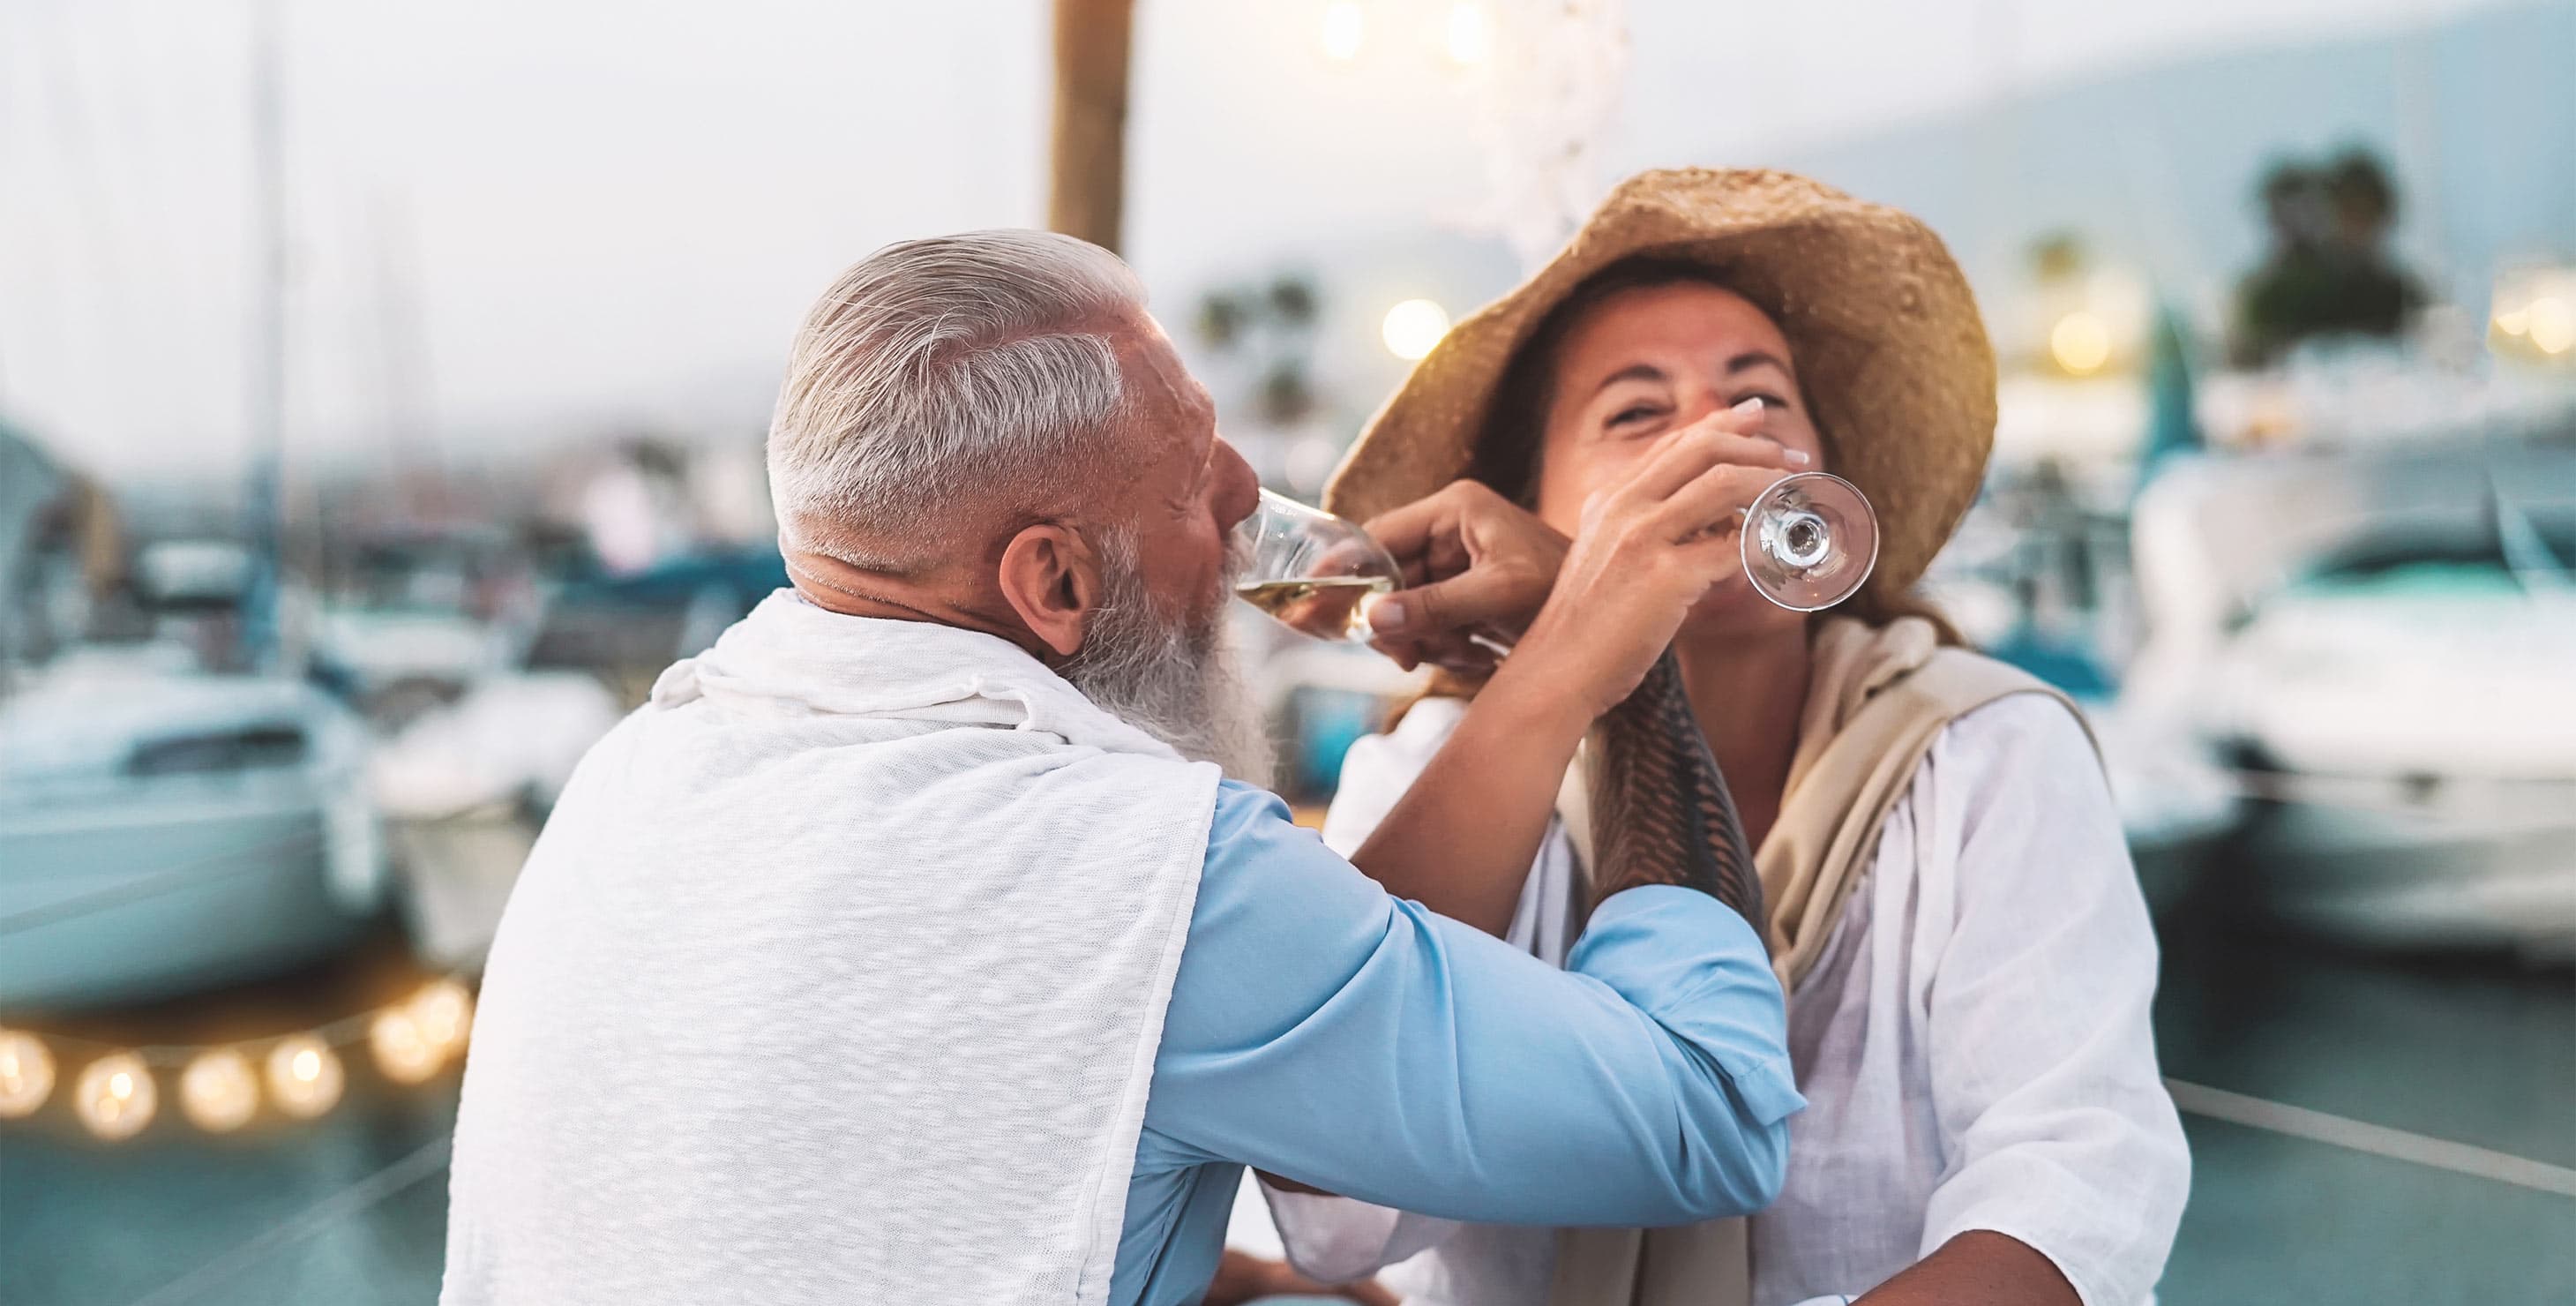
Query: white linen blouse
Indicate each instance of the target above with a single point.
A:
(1973, 1045)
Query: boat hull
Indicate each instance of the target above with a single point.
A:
(2394, 878)
(118, 902)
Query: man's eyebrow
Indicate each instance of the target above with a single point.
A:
(1207, 460)
(1207, 464)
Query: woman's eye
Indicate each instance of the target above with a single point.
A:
(1634, 413)
(1769, 400)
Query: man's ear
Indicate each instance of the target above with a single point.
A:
(1051, 577)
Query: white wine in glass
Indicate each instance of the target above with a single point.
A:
(1311, 570)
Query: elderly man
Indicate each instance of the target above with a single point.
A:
(905, 947)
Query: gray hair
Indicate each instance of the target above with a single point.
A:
(935, 373)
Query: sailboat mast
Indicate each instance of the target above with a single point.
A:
(266, 388)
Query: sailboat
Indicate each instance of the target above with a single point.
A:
(184, 809)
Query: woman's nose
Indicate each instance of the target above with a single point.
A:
(1697, 402)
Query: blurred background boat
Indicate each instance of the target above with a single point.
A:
(2383, 644)
(369, 464)
(169, 822)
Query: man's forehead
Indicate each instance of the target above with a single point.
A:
(1169, 438)
(1174, 416)
(1150, 358)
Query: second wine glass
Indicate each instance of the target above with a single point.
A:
(1809, 541)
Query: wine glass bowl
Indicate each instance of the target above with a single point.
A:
(1310, 570)
(1809, 541)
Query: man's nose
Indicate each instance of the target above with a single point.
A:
(1240, 494)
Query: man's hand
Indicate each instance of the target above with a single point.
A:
(1474, 563)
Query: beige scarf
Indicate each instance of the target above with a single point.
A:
(1876, 699)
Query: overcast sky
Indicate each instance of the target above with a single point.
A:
(615, 212)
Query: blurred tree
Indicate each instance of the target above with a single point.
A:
(1292, 300)
(1222, 319)
(1267, 335)
(2057, 256)
(2328, 271)
(1286, 395)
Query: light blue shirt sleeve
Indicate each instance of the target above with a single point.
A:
(1324, 1031)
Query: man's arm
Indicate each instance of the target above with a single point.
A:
(1324, 1031)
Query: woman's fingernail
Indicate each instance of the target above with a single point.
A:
(1383, 612)
(1748, 408)
(1797, 457)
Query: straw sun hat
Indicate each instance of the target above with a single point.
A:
(1885, 335)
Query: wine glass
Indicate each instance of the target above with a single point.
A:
(1311, 570)
(1809, 541)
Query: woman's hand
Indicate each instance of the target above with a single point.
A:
(1474, 563)
(1478, 565)
(1243, 1277)
(1461, 839)
(1648, 549)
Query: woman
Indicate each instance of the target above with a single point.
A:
(1951, 906)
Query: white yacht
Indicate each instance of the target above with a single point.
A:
(2385, 648)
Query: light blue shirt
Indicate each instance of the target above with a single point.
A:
(1324, 1031)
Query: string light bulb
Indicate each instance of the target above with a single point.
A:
(444, 1013)
(403, 1052)
(304, 1076)
(115, 1096)
(26, 1073)
(219, 1092)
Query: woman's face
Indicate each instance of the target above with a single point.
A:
(1651, 360)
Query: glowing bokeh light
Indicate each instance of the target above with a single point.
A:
(219, 1092)
(26, 1073)
(402, 1052)
(1471, 33)
(2080, 343)
(2553, 324)
(1413, 327)
(1344, 28)
(115, 1096)
(304, 1076)
(444, 1014)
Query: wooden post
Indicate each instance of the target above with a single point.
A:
(1089, 161)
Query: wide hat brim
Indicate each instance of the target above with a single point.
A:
(1883, 329)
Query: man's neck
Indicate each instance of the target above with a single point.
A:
(836, 586)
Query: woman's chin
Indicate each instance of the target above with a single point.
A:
(1732, 607)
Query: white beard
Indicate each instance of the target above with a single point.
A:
(1175, 676)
